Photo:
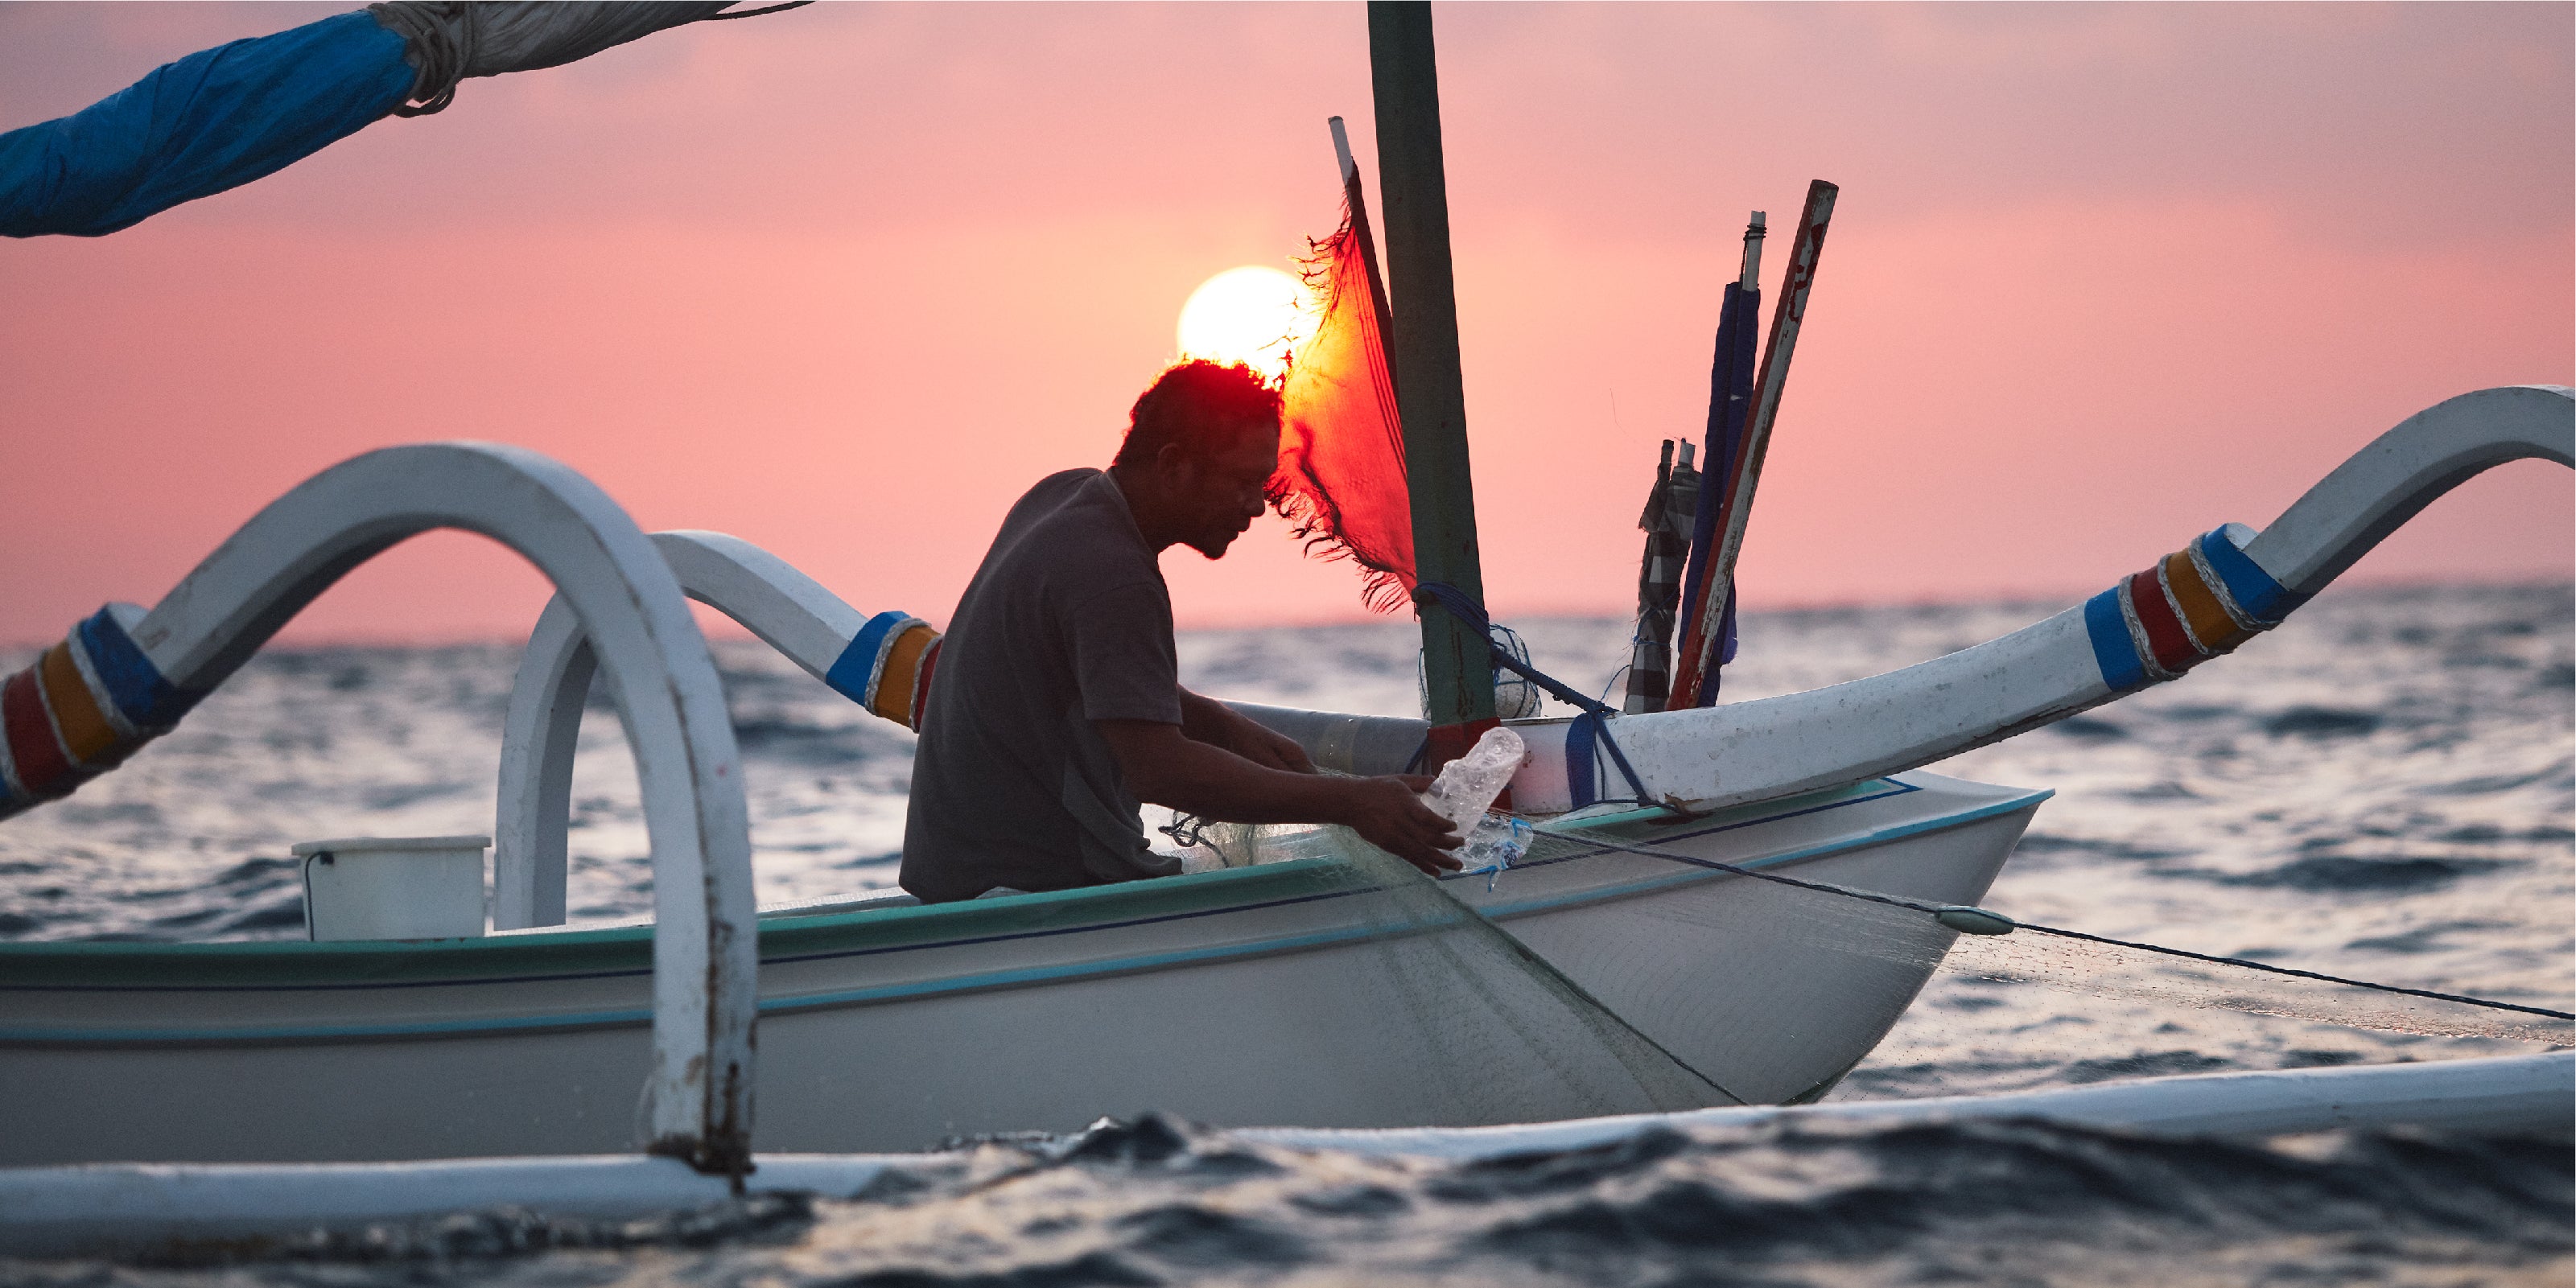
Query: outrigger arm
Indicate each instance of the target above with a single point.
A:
(124, 676)
(2220, 590)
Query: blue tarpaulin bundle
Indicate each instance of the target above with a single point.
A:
(213, 120)
(222, 117)
(1730, 396)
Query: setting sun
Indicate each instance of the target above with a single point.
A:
(1252, 315)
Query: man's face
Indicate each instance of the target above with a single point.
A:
(1222, 495)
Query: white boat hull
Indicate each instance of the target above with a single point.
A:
(1222, 997)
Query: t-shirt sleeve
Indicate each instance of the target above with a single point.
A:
(1122, 655)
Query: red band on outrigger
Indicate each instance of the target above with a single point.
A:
(42, 767)
(2174, 649)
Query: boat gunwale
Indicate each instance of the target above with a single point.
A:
(128, 967)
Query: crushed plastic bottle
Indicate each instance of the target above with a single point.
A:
(1467, 786)
(1497, 843)
(1464, 790)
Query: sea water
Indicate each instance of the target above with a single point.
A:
(2382, 788)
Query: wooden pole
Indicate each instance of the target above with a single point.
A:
(1458, 673)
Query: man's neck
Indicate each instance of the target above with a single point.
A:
(1142, 506)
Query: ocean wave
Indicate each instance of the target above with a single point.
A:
(1155, 1200)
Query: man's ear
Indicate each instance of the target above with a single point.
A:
(1169, 460)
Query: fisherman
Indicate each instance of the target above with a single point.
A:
(1057, 703)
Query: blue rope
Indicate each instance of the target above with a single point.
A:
(1595, 719)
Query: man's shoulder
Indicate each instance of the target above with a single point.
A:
(1069, 535)
(1063, 484)
(1078, 514)
(1063, 494)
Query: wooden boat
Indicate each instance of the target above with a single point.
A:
(1254, 995)
(1251, 995)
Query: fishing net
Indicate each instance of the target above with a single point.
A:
(1730, 987)
(1695, 981)
(1504, 1035)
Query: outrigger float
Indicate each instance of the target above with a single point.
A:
(223, 1090)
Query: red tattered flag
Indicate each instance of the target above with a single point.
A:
(1341, 478)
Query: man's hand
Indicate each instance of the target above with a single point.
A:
(1389, 814)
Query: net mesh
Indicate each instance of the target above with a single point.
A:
(1511, 1035)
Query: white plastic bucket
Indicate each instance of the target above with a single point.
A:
(394, 887)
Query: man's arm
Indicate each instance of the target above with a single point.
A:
(1167, 766)
(1218, 725)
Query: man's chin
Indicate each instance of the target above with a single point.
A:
(1215, 547)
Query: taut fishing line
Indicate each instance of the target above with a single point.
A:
(1910, 931)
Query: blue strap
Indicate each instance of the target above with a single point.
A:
(1594, 710)
(1581, 779)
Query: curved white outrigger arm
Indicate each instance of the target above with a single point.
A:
(880, 661)
(2196, 603)
(125, 675)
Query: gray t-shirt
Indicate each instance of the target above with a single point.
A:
(1068, 621)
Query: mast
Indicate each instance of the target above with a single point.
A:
(1422, 348)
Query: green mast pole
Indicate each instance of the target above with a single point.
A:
(1423, 351)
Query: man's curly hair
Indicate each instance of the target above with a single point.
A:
(1199, 406)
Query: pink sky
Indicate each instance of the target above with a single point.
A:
(845, 280)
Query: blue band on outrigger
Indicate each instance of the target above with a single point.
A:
(856, 668)
(2254, 590)
(134, 684)
(2113, 650)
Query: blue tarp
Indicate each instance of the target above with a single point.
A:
(210, 121)
(1730, 397)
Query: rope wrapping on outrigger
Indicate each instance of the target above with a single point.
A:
(80, 709)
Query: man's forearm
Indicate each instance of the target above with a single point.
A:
(1216, 784)
(1166, 766)
(1207, 720)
